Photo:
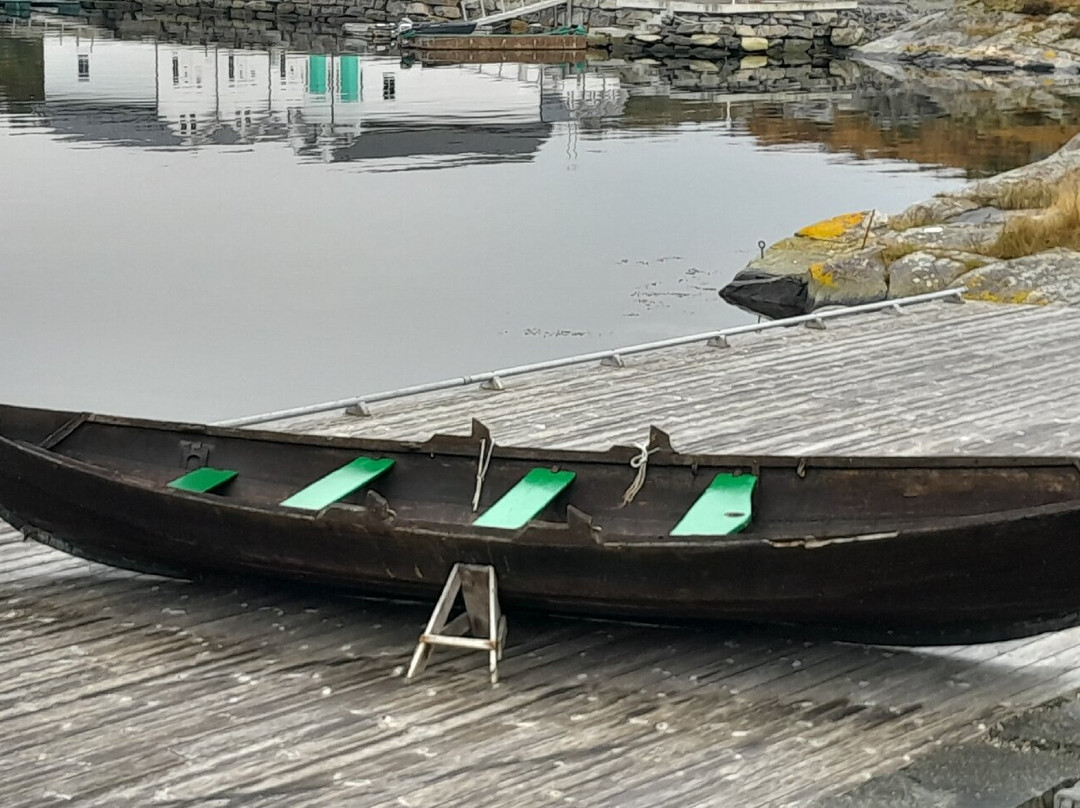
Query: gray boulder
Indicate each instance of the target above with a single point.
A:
(922, 272)
(848, 280)
(954, 236)
(1052, 276)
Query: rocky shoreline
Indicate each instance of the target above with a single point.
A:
(1012, 238)
(991, 36)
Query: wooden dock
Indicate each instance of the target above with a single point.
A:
(124, 689)
(941, 378)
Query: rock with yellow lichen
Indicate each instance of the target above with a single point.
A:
(776, 284)
(1052, 276)
(848, 280)
(921, 272)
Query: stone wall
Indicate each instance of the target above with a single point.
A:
(704, 37)
(633, 32)
(311, 26)
(315, 16)
(784, 36)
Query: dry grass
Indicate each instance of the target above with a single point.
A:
(1057, 225)
(894, 252)
(973, 263)
(1044, 8)
(980, 30)
(1025, 194)
(1032, 8)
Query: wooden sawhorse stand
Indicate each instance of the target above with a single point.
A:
(482, 618)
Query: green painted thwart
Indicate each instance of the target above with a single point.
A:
(338, 484)
(203, 481)
(722, 508)
(526, 499)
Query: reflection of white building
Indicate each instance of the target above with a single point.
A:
(322, 105)
(82, 68)
(585, 94)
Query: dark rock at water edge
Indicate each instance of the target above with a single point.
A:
(774, 296)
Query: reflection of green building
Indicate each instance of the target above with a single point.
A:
(316, 76)
(22, 69)
(15, 9)
(349, 80)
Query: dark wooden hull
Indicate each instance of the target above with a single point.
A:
(948, 578)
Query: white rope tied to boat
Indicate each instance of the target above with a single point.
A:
(641, 463)
(481, 470)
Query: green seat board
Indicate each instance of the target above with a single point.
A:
(338, 484)
(203, 481)
(526, 499)
(722, 508)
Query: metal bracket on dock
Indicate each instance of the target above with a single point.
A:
(719, 342)
(613, 361)
(360, 409)
(818, 324)
(494, 383)
(482, 617)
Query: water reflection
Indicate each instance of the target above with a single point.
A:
(263, 240)
(393, 114)
(326, 107)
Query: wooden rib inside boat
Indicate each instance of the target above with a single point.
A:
(883, 549)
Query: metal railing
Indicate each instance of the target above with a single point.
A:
(494, 378)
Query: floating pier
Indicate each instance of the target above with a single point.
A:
(124, 689)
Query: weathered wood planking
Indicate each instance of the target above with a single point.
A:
(124, 689)
(118, 688)
(940, 379)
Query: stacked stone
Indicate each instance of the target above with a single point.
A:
(230, 22)
(312, 15)
(750, 75)
(784, 36)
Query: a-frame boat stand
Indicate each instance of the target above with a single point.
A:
(482, 618)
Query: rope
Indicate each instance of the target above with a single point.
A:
(641, 463)
(481, 470)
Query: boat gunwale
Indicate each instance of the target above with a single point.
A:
(538, 532)
(466, 445)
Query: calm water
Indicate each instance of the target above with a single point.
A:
(200, 233)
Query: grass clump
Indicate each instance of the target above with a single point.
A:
(1032, 8)
(1056, 225)
(1044, 8)
(894, 252)
(1023, 194)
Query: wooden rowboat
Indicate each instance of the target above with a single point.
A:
(882, 549)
